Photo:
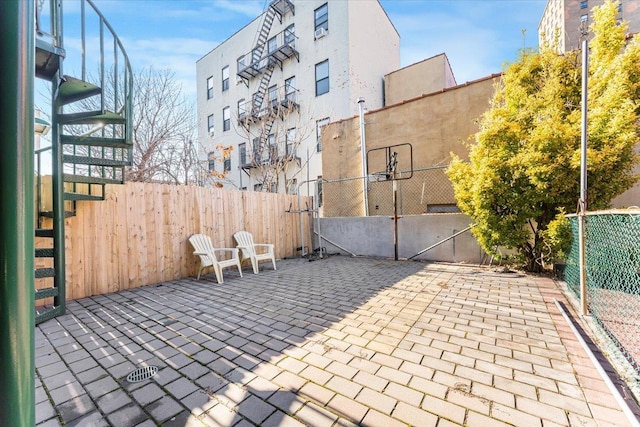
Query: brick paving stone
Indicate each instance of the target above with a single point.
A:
(316, 416)
(75, 408)
(255, 409)
(44, 411)
(317, 393)
(147, 394)
(113, 401)
(164, 408)
(280, 419)
(94, 419)
(127, 416)
(514, 416)
(101, 387)
(414, 416)
(373, 399)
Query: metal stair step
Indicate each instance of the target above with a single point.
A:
(41, 273)
(91, 117)
(80, 196)
(47, 59)
(95, 161)
(44, 253)
(91, 179)
(47, 313)
(49, 214)
(73, 89)
(46, 293)
(44, 232)
(95, 141)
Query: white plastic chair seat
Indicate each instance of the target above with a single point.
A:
(255, 252)
(208, 258)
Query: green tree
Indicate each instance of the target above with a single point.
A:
(524, 166)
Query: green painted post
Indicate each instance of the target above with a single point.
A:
(17, 54)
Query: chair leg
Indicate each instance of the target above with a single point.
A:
(239, 269)
(273, 261)
(199, 271)
(254, 264)
(218, 271)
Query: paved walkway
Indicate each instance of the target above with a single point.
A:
(336, 342)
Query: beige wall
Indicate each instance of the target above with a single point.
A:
(428, 76)
(435, 125)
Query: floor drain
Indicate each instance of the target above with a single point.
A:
(142, 374)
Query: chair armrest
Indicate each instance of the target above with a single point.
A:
(233, 250)
(264, 245)
(200, 253)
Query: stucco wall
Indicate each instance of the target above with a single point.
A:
(427, 76)
(374, 236)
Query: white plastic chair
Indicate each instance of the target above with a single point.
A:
(207, 253)
(248, 248)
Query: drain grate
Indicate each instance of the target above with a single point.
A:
(142, 374)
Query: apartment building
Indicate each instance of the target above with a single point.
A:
(268, 90)
(571, 20)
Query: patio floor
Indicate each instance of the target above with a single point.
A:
(340, 341)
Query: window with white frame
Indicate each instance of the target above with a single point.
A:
(210, 87)
(210, 124)
(272, 45)
(273, 95)
(291, 142)
(225, 78)
(273, 146)
(292, 186)
(319, 125)
(211, 157)
(319, 187)
(290, 89)
(242, 153)
(321, 15)
(290, 36)
(322, 77)
(226, 118)
(227, 164)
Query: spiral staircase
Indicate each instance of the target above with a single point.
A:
(91, 134)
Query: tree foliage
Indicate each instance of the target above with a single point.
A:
(524, 166)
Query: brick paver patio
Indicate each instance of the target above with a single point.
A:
(336, 342)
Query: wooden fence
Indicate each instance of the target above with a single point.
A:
(138, 235)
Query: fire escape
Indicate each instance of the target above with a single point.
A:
(91, 136)
(265, 104)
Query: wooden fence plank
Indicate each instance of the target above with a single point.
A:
(139, 234)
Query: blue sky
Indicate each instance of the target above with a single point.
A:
(478, 36)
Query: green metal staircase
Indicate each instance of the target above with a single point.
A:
(91, 137)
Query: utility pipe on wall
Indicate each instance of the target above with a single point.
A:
(363, 149)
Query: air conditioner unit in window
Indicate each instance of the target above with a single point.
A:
(320, 32)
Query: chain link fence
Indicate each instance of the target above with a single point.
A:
(612, 262)
(428, 190)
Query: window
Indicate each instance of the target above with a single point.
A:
(242, 108)
(227, 164)
(584, 4)
(584, 18)
(291, 142)
(620, 7)
(210, 87)
(240, 63)
(256, 151)
(290, 36)
(319, 190)
(273, 188)
(225, 78)
(273, 146)
(292, 186)
(242, 153)
(211, 157)
(322, 77)
(273, 95)
(319, 125)
(290, 89)
(210, 124)
(322, 17)
(272, 44)
(257, 187)
(226, 118)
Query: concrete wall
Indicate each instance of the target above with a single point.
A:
(374, 236)
(427, 76)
